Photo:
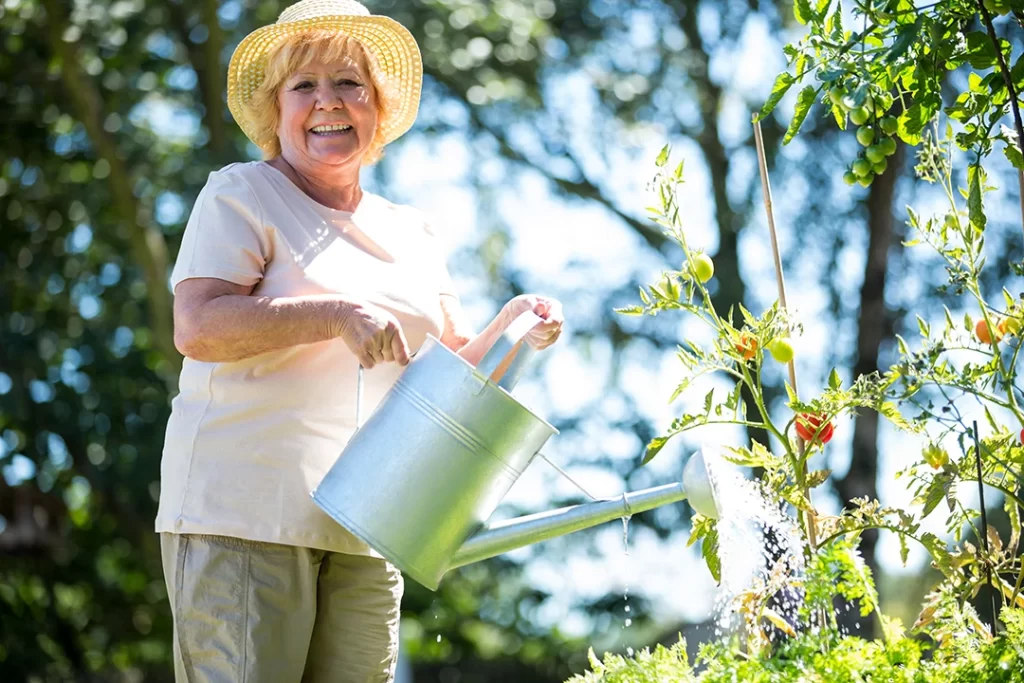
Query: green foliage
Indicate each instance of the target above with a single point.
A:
(825, 657)
(898, 56)
(662, 665)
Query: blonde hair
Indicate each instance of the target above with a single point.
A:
(294, 54)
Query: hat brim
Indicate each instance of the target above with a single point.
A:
(391, 44)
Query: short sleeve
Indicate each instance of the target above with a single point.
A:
(441, 267)
(224, 237)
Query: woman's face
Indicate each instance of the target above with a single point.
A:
(328, 114)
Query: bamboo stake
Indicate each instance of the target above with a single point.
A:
(812, 533)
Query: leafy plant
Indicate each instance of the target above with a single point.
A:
(825, 656)
(923, 393)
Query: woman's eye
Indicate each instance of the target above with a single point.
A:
(347, 82)
(303, 85)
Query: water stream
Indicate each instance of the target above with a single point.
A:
(760, 548)
(628, 621)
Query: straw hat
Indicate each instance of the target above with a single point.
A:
(390, 43)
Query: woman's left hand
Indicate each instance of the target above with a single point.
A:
(549, 310)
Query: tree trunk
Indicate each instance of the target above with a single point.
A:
(872, 327)
(205, 59)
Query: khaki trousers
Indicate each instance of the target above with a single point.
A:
(252, 612)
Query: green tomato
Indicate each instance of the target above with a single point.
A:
(865, 136)
(888, 124)
(836, 93)
(781, 350)
(888, 146)
(875, 153)
(859, 116)
(850, 177)
(703, 267)
(865, 180)
(862, 167)
(880, 167)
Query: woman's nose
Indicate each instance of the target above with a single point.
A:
(328, 99)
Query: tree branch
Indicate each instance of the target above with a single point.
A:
(149, 247)
(1008, 79)
(581, 188)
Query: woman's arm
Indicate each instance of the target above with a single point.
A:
(458, 335)
(219, 321)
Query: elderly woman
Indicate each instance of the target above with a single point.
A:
(289, 278)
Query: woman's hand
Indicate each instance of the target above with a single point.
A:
(373, 335)
(549, 310)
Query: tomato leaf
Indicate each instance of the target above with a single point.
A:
(803, 105)
(791, 394)
(802, 11)
(1013, 153)
(817, 478)
(980, 52)
(662, 157)
(905, 36)
(911, 122)
(779, 89)
(653, 448)
(975, 206)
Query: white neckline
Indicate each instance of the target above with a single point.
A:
(364, 203)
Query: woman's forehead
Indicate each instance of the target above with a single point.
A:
(316, 67)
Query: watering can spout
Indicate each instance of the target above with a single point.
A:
(501, 537)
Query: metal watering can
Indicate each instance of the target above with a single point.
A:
(419, 479)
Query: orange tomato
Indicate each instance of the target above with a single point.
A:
(747, 345)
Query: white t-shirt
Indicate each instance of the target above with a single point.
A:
(247, 441)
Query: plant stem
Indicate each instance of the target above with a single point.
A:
(1008, 80)
(810, 523)
(984, 524)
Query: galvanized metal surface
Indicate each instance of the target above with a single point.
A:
(435, 458)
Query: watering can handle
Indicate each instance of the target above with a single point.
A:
(507, 344)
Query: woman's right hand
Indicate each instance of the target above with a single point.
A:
(373, 334)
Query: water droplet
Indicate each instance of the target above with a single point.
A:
(629, 622)
(628, 608)
(629, 651)
(439, 637)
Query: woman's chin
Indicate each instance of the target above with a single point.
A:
(333, 150)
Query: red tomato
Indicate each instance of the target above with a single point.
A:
(809, 423)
